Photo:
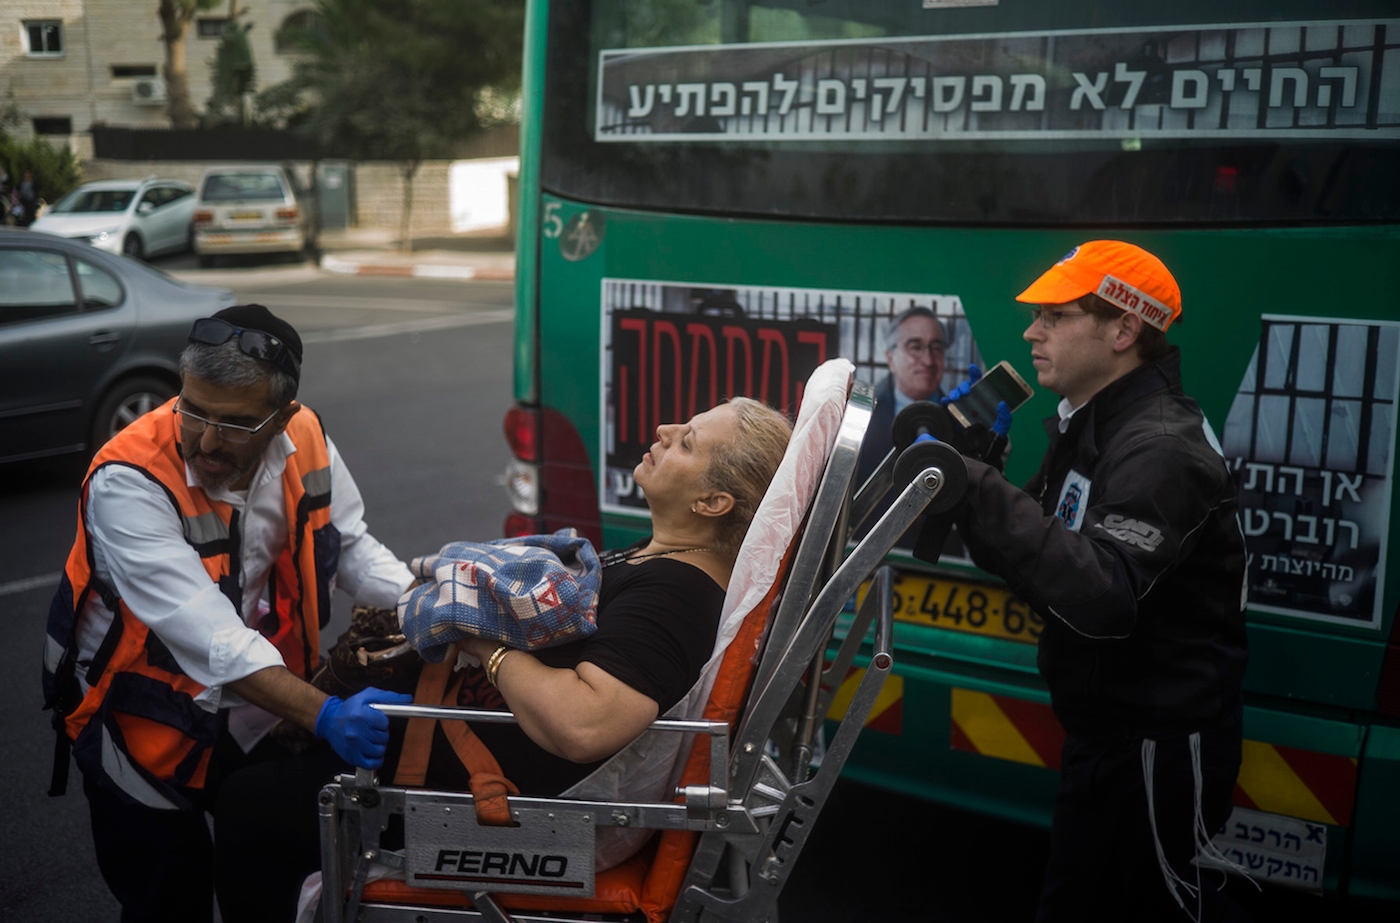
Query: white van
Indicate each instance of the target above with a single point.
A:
(251, 208)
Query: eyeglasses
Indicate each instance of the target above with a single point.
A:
(195, 425)
(212, 331)
(919, 347)
(1049, 317)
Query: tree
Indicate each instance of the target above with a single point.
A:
(56, 169)
(405, 80)
(234, 75)
(175, 19)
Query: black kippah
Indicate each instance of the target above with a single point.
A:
(257, 317)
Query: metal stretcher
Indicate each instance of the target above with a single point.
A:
(747, 795)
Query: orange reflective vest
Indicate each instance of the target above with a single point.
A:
(137, 729)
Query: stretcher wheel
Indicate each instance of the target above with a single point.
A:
(950, 465)
(924, 418)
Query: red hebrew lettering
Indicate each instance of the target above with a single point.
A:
(640, 327)
(734, 334)
(667, 329)
(774, 338)
(815, 338)
(622, 404)
(701, 333)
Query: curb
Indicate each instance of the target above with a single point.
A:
(415, 270)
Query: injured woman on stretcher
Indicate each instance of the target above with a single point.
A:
(576, 704)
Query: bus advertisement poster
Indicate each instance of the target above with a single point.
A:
(1319, 79)
(675, 349)
(1311, 438)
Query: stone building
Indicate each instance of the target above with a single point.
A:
(69, 64)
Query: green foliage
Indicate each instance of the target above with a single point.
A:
(406, 79)
(233, 74)
(56, 169)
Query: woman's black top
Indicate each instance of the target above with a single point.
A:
(657, 622)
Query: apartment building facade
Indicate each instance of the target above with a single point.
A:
(66, 65)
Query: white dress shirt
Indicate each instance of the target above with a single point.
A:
(139, 549)
(1066, 412)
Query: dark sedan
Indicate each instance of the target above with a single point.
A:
(89, 341)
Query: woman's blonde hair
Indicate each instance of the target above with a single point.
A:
(744, 466)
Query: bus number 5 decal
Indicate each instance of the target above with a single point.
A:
(553, 224)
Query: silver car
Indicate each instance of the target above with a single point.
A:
(138, 217)
(89, 341)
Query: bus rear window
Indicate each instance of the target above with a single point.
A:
(874, 114)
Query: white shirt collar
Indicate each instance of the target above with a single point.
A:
(270, 467)
(1066, 411)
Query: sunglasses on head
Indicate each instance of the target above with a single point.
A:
(212, 331)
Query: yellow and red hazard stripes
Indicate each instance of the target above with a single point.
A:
(885, 715)
(1302, 783)
(1315, 786)
(1006, 728)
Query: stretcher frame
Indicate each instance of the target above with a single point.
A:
(762, 797)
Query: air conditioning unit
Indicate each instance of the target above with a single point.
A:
(148, 91)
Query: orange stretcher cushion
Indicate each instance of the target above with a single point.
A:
(676, 847)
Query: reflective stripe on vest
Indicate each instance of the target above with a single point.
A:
(138, 728)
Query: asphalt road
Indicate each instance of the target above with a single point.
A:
(412, 378)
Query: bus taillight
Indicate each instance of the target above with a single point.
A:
(523, 433)
(551, 479)
(523, 485)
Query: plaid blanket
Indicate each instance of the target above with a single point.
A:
(531, 592)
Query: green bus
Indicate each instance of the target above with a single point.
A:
(717, 195)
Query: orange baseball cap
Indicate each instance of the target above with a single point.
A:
(1124, 275)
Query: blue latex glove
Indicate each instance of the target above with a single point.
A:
(1002, 426)
(355, 731)
(973, 373)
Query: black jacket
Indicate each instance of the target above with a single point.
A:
(1144, 604)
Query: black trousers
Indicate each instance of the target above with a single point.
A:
(1103, 861)
(159, 864)
(267, 835)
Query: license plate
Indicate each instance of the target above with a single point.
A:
(246, 216)
(962, 605)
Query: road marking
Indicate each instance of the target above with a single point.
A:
(30, 583)
(335, 264)
(234, 278)
(419, 305)
(372, 331)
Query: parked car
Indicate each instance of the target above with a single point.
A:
(89, 341)
(251, 208)
(138, 217)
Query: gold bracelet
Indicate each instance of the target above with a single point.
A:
(493, 663)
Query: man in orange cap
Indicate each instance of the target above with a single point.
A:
(1126, 542)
